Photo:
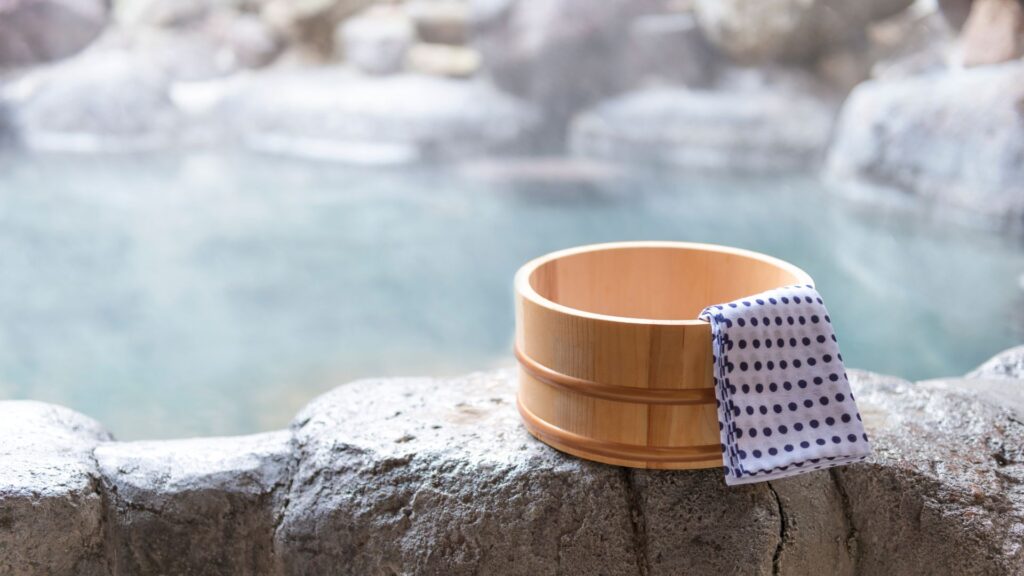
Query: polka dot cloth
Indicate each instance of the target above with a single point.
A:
(784, 402)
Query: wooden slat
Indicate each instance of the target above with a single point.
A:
(615, 366)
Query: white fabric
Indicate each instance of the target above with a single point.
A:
(784, 401)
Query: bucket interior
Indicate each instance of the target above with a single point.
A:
(656, 283)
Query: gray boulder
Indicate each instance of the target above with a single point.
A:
(1006, 364)
(759, 31)
(215, 37)
(35, 31)
(248, 40)
(666, 48)
(107, 101)
(169, 55)
(163, 13)
(202, 506)
(733, 127)
(333, 113)
(51, 506)
(954, 138)
(428, 476)
(559, 54)
(223, 44)
(943, 492)
(431, 476)
(377, 40)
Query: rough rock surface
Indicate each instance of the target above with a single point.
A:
(202, 506)
(415, 485)
(35, 31)
(1006, 364)
(955, 138)
(945, 488)
(334, 113)
(728, 128)
(427, 476)
(51, 508)
(758, 31)
(96, 101)
(439, 477)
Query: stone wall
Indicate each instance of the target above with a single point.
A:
(430, 476)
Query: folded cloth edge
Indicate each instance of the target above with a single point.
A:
(794, 392)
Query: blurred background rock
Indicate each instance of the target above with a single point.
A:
(696, 83)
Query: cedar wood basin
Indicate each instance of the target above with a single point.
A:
(614, 365)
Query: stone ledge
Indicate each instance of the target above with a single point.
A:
(1006, 364)
(204, 505)
(431, 476)
(51, 509)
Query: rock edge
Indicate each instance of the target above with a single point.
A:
(437, 476)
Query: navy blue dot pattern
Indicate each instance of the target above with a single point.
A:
(784, 401)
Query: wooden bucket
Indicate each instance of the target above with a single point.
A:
(614, 365)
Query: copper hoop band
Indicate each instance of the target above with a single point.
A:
(679, 396)
(549, 433)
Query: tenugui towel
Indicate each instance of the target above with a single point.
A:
(784, 401)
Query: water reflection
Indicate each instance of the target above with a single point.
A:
(215, 294)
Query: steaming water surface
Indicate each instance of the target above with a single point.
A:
(216, 294)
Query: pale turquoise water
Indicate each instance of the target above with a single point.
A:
(173, 296)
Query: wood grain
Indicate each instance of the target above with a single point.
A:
(614, 365)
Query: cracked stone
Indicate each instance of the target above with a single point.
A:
(932, 495)
(198, 506)
(51, 512)
(817, 534)
(478, 469)
(467, 491)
